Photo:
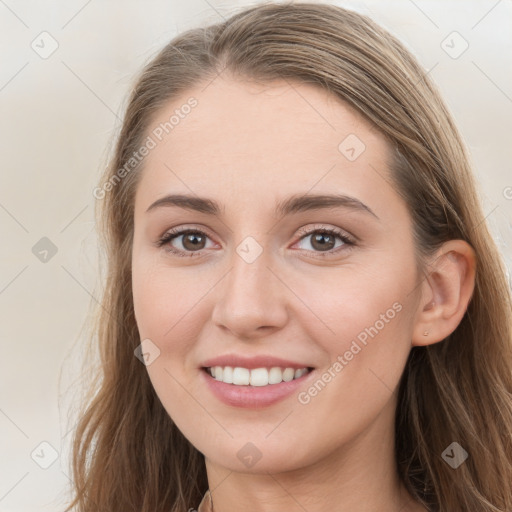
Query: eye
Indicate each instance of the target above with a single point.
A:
(191, 240)
(323, 240)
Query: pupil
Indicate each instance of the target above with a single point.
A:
(317, 239)
(194, 239)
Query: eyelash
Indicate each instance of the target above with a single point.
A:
(348, 242)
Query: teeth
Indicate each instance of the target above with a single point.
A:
(241, 376)
(259, 377)
(255, 377)
(275, 376)
(300, 373)
(227, 375)
(288, 374)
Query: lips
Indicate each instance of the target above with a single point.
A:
(262, 361)
(257, 381)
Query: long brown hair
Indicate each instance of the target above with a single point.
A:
(127, 453)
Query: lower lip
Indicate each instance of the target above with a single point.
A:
(253, 396)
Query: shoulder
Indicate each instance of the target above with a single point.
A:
(205, 505)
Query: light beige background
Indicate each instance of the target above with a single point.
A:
(58, 115)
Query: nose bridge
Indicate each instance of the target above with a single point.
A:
(249, 280)
(249, 298)
(249, 267)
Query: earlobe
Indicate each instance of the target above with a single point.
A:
(446, 291)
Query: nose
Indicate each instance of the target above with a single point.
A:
(251, 302)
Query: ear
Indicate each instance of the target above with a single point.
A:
(445, 292)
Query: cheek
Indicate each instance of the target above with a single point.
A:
(370, 315)
(165, 301)
(364, 324)
(162, 296)
(352, 303)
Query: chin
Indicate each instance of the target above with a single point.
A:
(242, 455)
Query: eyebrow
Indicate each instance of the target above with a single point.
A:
(294, 204)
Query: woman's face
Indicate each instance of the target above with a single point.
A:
(274, 273)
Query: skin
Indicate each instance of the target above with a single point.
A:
(248, 145)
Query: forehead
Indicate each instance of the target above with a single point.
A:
(260, 142)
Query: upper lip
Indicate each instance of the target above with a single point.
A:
(261, 361)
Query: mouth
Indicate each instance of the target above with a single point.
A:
(255, 377)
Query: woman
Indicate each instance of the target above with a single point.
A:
(304, 308)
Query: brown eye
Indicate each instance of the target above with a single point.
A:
(323, 240)
(193, 241)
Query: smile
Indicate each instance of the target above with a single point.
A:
(259, 377)
(241, 387)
